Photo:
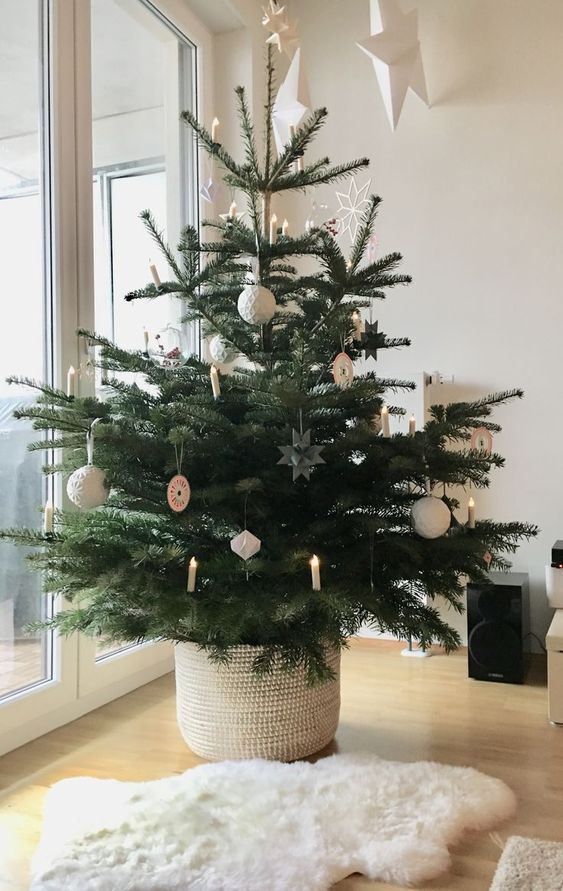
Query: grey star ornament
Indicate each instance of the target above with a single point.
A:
(370, 340)
(301, 456)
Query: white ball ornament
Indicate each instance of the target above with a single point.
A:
(256, 304)
(87, 488)
(431, 517)
(221, 351)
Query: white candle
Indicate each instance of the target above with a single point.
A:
(233, 210)
(214, 128)
(412, 425)
(471, 513)
(385, 421)
(192, 572)
(215, 385)
(273, 228)
(285, 227)
(71, 381)
(291, 131)
(154, 272)
(315, 573)
(300, 162)
(146, 339)
(48, 518)
(358, 328)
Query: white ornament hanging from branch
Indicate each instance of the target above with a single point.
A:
(394, 50)
(282, 31)
(431, 517)
(220, 350)
(256, 304)
(351, 205)
(245, 545)
(291, 103)
(87, 487)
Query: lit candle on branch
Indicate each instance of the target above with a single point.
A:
(232, 210)
(48, 518)
(215, 385)
(71, 381)
(412, 425)
(154, 272)
(146, 339)
(285, 227)
(385, 422)
(471, 513)
(358, 326)
(315, 573)
(273, 228)
(214, 129)
(192, 573)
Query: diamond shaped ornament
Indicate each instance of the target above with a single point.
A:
(245, 545)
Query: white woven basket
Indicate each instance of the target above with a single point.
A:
(226, 711)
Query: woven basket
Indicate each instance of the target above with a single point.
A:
(227, 712)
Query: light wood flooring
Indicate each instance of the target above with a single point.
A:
(403, 709)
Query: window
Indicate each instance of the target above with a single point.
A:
(25, 659)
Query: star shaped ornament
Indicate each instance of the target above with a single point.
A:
(351, 205)
(370, 340)
(301, 456)
(291, 103)
(282, 32)
(394, 50)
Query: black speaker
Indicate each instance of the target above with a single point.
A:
(497, 622)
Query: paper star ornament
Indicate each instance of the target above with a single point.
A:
(283, 33)
(301, 456)
(239, 215)
(351, 205)
(291, 103)
(394, 49)
(371, 340)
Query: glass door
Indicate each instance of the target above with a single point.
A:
(141, 160)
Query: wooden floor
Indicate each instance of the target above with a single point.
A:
(404, 709)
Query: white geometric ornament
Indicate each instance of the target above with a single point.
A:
(394, 50)
(350, 208)
(431, 517)
(282, 31)
(221, 351)
(256, 304)
(291, 103)
(208, 188)
(245, 545)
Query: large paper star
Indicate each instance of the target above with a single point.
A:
(291, 103)
(350, 207)
(301, 455)
(395, 52)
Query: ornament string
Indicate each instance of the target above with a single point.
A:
(179, 458)
(90, 441)
(244, 527)
(301, 421)
(371, 557)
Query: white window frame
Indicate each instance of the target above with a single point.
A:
(81, 684)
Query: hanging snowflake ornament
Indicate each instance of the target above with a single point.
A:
(351, 205)
(87, 487)
(301, 456)
(245, 545)
(370, 340)
(343, 370)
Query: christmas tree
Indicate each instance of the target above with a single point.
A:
(306, 518)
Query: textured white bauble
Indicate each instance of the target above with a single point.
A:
(221, 351)
(87, 488)
(256, 305)
(431, 517)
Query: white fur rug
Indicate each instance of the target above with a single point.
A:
(529, 864)
(257, 825)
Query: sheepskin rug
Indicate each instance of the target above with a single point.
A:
(257, 825)
(529, 864)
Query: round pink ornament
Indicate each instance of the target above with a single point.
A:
(343, 370)
(178, 493)
(482, 439)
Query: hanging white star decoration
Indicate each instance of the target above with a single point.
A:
(394, 49)
(291, 103)
(282, 31)
(351, 205)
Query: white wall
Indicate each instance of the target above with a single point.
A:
(473, 198)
